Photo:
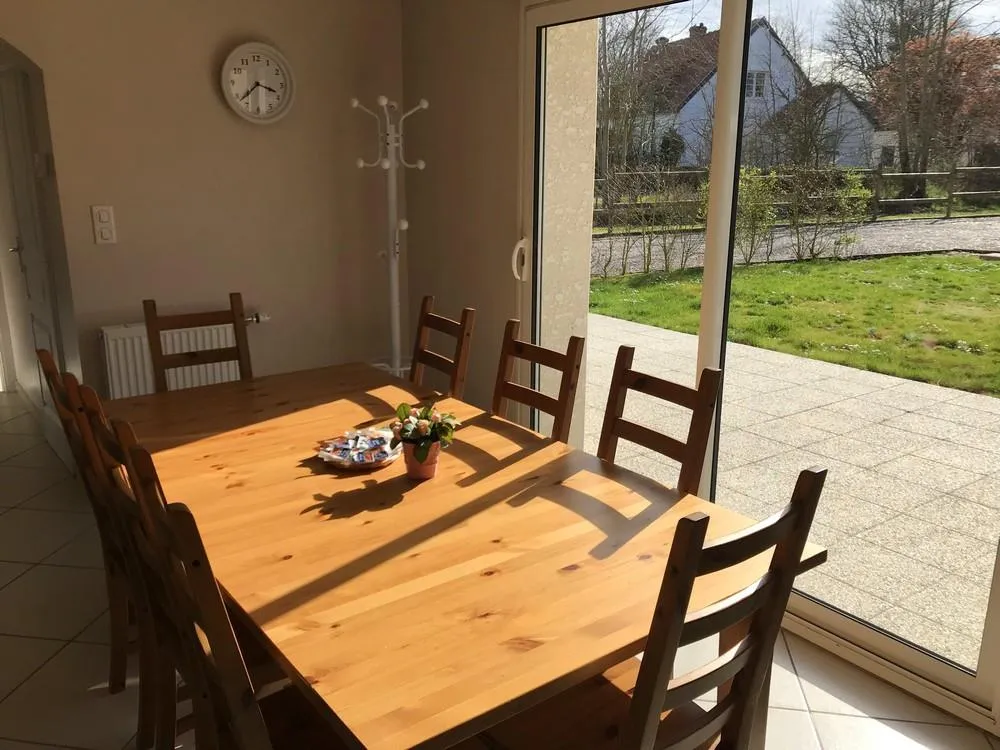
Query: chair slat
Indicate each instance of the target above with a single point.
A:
(445, 325)
(666, 390)
(657, 441)
(698, 733)
(539, 355)
(743, 545)
(156, 324)
(435, 360)
(709, 676)
(725, 614)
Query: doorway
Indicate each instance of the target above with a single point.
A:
(760, 420)
(36, 309)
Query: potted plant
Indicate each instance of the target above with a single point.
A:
(423, 432)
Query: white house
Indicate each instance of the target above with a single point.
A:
(681, 78)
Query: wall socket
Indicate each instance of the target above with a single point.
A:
(105, 232)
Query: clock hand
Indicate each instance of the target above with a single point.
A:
(265, 86)
(250, 90)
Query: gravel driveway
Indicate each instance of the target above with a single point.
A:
(881, 238)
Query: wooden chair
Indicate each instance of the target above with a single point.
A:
(232, 710)
(156, 324)
(560, 408)
(65, 392)
(461, 330)
(640, 706)
(701, 401)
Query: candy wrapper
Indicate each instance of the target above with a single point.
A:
(362, 449)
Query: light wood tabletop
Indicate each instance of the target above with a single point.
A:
(420, 613)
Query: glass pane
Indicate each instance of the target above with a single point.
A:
(864, 323)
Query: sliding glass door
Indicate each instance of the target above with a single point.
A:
(709, 186)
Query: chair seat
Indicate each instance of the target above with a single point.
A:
(590, 716)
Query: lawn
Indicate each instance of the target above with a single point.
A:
(930, 318)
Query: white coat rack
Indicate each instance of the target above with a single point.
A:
(389, 124)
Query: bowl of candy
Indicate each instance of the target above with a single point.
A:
(359, 450)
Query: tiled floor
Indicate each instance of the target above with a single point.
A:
(911, 508)
(53, 639)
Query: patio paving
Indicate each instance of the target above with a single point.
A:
(911, 508)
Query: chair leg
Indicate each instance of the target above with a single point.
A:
(166, 701)
(118, 610)
(148, 662)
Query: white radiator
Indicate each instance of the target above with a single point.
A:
(129, 367)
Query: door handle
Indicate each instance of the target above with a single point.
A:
(517, 255)
(17, 246)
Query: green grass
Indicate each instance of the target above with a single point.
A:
(930, 318)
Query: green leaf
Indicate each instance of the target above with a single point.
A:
(403, 411)
(421, 450)
(394, 442)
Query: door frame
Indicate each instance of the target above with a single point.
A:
(859, 643)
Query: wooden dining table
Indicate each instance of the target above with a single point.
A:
(416, 614)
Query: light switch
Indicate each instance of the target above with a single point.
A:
(105, 232)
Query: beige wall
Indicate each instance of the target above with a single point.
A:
(464, 57)
(570, 115)
(206, 203)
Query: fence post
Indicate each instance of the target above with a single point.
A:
(951, 191)
(876, 191)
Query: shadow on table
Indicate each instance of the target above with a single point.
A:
(543, 482)
(350, 503)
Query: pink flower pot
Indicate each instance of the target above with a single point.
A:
(421, 470)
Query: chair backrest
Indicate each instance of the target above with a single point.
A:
(192, 616)
(156, 324)
(68, 413)
(701, 401)
(757, 611)
(461, 330)
(568, 363)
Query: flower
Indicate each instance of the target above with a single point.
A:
(414, 413)
(423, 426)
(436, 417)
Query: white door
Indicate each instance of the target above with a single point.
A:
(24, 269)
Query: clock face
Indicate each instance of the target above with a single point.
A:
(257, 83)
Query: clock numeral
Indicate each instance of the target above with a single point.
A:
(237, 71)
(232, 81)
(258, 110)
(270, 106)
(267, 63)
(281, 85)
(277, 98)
(244, 61)
(256, 58)
(277, 70)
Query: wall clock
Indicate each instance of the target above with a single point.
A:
(257, 83)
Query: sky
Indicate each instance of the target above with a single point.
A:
(813, 16)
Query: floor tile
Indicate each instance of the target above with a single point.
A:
(955, 602)
(41, 456)
(12, 445)
(83, 552)
(833, 686)
(25, 424)
(20, 483)
(67, 703)
(841, 595)
(985, 492)
(961, 456)
(899, 399)
(978, 401)
(846, 387)
(967, 518)
(32, 535)
(850, 514)
(10, 571)
(786, 692)
(881, 572)
(99, 631)
(52, 602)
(67, 495)
(893, 438)
(961, 414)
(829, 420)
(931, 635)
(881, 489)
(928, 473)
(788, 431)
(736, 416)
(738, 448)
(854, 732)
(866, 410)
(20, 658)
(943, 548)
(790, 729)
